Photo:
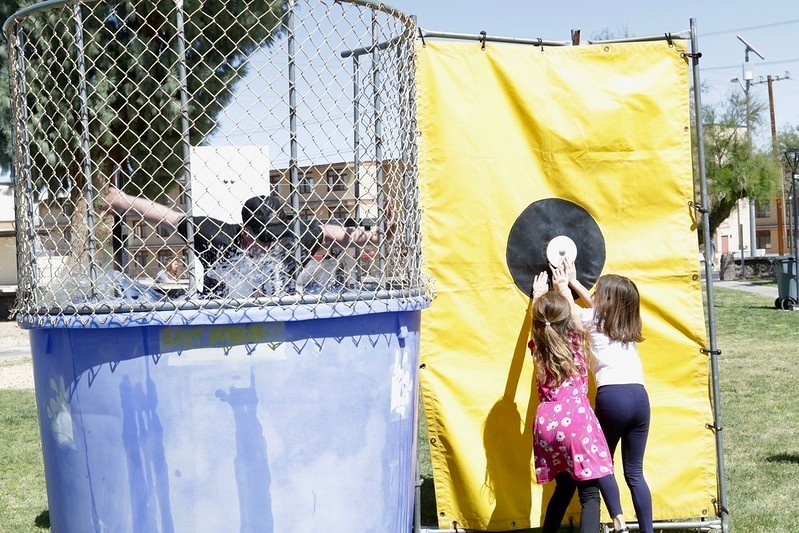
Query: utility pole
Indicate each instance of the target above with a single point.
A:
(747, 74)
(781, 198)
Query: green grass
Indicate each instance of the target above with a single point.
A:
(766, 282)
(760, 411)
(23, 501)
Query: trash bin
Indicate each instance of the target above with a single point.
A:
(234, 425)
(785, 271)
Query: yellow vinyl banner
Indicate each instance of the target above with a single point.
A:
(519, 143)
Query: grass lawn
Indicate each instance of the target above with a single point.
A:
(23, 501)
(760, 410)
(760, 348)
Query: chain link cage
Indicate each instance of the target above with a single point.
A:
(192, 156)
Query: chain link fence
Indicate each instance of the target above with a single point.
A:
(187, 157)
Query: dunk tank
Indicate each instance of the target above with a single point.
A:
(196, 370)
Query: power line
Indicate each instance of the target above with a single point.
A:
(761, 26)
(759, 63)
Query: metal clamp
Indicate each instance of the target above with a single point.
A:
(698, 207)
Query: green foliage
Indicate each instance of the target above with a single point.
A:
(787, 137)
(735, 168)
(132, 82)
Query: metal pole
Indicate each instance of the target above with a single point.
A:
(356, 159)
(781, 198)
(783, 224)
(293, 147)
(186, 144)
(713, 352)
(26, 270)
(752, 227)
(742, 273)
(87, 161)
(381, 247)
(794, 177)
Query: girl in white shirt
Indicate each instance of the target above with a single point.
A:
(613, 322)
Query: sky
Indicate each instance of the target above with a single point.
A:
(770, 26)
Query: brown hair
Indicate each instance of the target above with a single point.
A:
(617, 308)
(552, 325)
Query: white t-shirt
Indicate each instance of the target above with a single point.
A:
(615, 363)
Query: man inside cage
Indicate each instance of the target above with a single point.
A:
(258, 257)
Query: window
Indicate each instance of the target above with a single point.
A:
(164, 231)
(306, 183)
(164, 257)
(274, 182)
(341, 213)
(306, 214)
(141, 259)
(140, 230)
(764, 240)
(762, 210)
(337, 180)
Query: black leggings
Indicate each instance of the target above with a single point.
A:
(588, 492)
(623, 412)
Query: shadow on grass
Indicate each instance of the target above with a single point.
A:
(43, 520)
(783, 458)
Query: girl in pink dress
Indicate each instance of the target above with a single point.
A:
(569, 445)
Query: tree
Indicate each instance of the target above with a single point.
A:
(132, 83)
(130, 61)
(735, 168)
(787, 137)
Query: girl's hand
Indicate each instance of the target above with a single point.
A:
(571, 271)
(560, 277)
(540, 285)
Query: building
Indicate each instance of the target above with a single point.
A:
(344, 192)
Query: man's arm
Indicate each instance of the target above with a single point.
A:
(345, 237)
(122, 203)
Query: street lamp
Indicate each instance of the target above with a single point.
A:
(747, 82)
(792, 158)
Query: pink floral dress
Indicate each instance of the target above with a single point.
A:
(567, 436)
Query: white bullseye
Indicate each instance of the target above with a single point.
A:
(560, 248)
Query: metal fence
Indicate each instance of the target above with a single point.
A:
(191, 156)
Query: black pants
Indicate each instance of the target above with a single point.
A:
(623, 412)
(588, 492)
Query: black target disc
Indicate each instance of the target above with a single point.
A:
(541, 222)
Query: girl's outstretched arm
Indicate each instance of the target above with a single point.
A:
(560, 280)
(540, 285)
(575, 284)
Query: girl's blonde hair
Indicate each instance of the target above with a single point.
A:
(552, 325)
(617, 308)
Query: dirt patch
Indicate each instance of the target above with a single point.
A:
(16, 372)
(12, 336)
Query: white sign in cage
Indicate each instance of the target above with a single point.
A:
(203, 155)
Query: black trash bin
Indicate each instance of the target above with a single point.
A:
(785, 271)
